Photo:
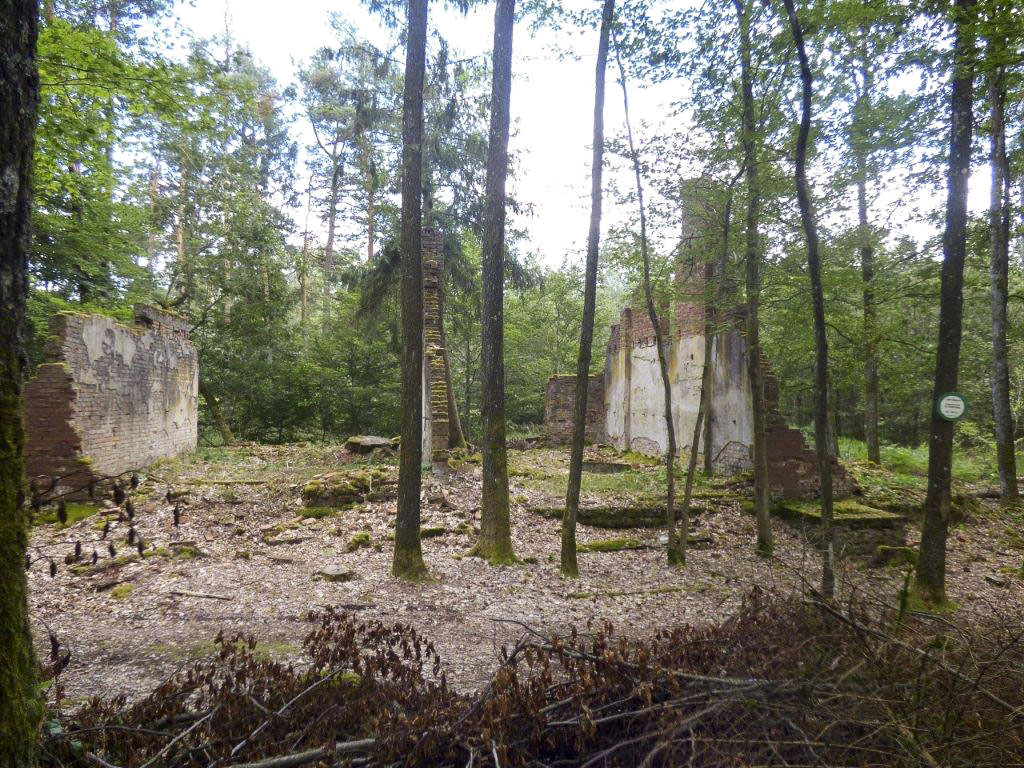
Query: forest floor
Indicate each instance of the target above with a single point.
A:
(251, 556)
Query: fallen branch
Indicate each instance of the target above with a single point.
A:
(208, 595)
(311, 755)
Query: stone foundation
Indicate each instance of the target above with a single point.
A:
(111, 399)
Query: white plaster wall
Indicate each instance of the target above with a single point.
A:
(733, 414)
(615, 399)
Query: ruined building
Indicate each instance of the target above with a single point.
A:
(625, 405)
(110, 399)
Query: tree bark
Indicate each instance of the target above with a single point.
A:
(676, 548)
(822, 434)
(332, 216)
(867, 260)
(20, 708)
(408, 555)
(931, 562)
(569, 564)
(752, 258)
(226, 435)
(495, 541)
(999, 237)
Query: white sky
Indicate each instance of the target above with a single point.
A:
(552, 98)
(552, 101)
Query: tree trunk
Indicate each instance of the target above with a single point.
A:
(408, 555)
(569, 564)
(154, 194)
(712, 315)
(495, 541)
(332, 216)
(20, 709)
(226, 435)
(822, 434)
(860, 148)
(676, 548)
(931, 563)
(999, 235)
(752, 258)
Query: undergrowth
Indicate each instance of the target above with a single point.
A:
(782, 682)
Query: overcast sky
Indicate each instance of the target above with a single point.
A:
(552, 99)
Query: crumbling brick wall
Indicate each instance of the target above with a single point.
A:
(111, 397)
(559, 402)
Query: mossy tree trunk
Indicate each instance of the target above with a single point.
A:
(226, 435)
(407, 561)
(752, 258)
(495, 541)
(20, 709)
(569, 564)
(931, 562)
(823, 435)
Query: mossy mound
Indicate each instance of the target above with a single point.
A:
(318, 513)
(343, 489)
(358, 541)
(611, 545)
(613, 517)
(846, 512)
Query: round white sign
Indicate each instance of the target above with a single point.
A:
(952, 406)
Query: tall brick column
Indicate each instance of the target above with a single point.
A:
(436, 402)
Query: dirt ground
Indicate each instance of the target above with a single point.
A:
(243, 558)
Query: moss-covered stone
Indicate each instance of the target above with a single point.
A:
(358, 541)
(318, 513)
(433, 531)
(611, 545)
(613, 516)
(340, 489)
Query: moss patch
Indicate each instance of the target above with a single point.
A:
(75, 512)
(848, 512)
(122, 591)
(611, 545)
(318, 513)
(358, 541)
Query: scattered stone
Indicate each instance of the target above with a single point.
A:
(997, 581)
(368, 443)
(335, 573)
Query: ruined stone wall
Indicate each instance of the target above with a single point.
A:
(634, 400)
(559, 402)
(435, 387)
(634, 393)
(112, 397)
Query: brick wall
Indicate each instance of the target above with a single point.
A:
(559, 402)
(112, 398)
(435, 390)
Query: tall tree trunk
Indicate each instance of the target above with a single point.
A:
(676, 547)
(20, 709)
(304, 271)
(371, 197)
(332, 216)
(712, 315)
(408, 555)
(822, 438)
(752, 257)
(999, 235)
(931, 562)
(226, 435)
(495, 541)
(860, 148)
(569, 564)
(154, 194)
